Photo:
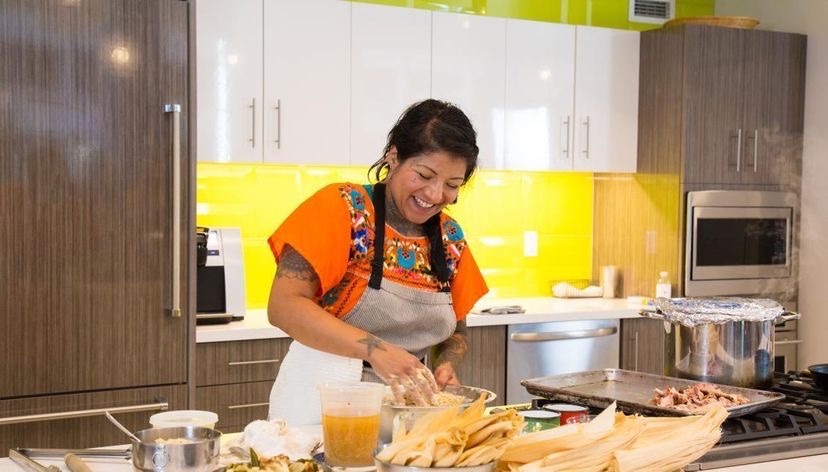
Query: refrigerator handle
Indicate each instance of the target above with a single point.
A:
(175, 109)
(563, 335)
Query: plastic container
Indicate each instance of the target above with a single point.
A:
(663, 287)
(180, 418)
(351, 422)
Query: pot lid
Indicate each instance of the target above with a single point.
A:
(699, 310)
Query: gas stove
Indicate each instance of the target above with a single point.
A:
(795, 427)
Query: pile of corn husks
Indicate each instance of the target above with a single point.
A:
(616, 442)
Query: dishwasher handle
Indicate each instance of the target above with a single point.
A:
(563, 335)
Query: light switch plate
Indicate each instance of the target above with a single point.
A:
(530, 243)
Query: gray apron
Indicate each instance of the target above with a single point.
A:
(412, 319)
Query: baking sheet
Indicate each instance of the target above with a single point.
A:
(633, 391)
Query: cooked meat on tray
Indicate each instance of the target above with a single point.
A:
(697, 398)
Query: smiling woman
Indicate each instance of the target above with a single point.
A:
(376, 275)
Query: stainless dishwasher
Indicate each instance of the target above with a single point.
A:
(557, 347)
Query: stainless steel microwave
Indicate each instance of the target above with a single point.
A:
(739, 242)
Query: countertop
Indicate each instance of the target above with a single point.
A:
(817, 463)
(538, 309)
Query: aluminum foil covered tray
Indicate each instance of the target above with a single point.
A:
(695, 311)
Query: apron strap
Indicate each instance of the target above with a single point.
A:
(378, 199)
(437, 253)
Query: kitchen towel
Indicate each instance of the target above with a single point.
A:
(294, 396)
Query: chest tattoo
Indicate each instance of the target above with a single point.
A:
(394, 218)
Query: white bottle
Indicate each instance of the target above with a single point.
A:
(663, 287)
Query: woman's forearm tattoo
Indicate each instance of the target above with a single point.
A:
(293, 266)
(454, 348)
(372, 343)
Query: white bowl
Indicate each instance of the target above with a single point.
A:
(177, 418)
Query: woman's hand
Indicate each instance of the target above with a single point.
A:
(402, 371)
(444, 375)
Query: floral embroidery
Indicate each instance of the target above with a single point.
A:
(405, 259)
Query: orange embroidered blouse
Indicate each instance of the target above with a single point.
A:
(334, 231)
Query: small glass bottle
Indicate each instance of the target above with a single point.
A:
(663, 287)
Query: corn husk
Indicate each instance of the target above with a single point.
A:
(617, 443)
(451, 438)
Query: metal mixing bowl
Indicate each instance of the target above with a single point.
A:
(200, 455)
(409, 414)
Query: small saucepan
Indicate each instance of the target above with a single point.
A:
(820, 374)
(183, 448)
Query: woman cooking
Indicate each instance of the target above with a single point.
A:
(370, 277)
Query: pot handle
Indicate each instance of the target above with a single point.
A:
(786, 316)
(652, 314)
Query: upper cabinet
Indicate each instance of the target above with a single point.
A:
(273, 81)
(390, 70)
(733, 102)
(571, 98)
(468, 61)
(606, 100)
(323, 82)
(229, 80)
(540, 95)
(307, 47)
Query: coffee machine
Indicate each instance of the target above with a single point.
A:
(220, 275)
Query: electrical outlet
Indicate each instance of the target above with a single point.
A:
(530, 243)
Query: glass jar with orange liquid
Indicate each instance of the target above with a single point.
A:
(351, 422)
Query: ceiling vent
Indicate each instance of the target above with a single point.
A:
(652, 11)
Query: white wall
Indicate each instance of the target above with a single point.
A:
(807, 17)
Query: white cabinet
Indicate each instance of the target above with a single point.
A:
(571, 97)
(540, 95)
(468, 64)
(606, 100)
(272, 78)
(229, 80)
(306, 81)
(390, 70)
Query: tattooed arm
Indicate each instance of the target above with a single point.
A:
(449, 354)
(293, 309)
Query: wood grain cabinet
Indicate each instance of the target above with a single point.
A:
(485, 364)
(738, 97)
(642, 345)
(234, 378)
(93, 307)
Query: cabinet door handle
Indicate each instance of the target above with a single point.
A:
(788, 342)
(565, 147)
(635, 362)
(585, 151)
(252, 107)
(62, 415)
(248, 405)
(263, 361)
(278, 109)
(755, 147)
(739, 150)
(563, 335)
(175, 109)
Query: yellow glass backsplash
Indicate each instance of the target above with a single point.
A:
(494, 209)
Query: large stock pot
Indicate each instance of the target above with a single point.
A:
(721, 349)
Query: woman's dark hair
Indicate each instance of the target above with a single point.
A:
(430, 126)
